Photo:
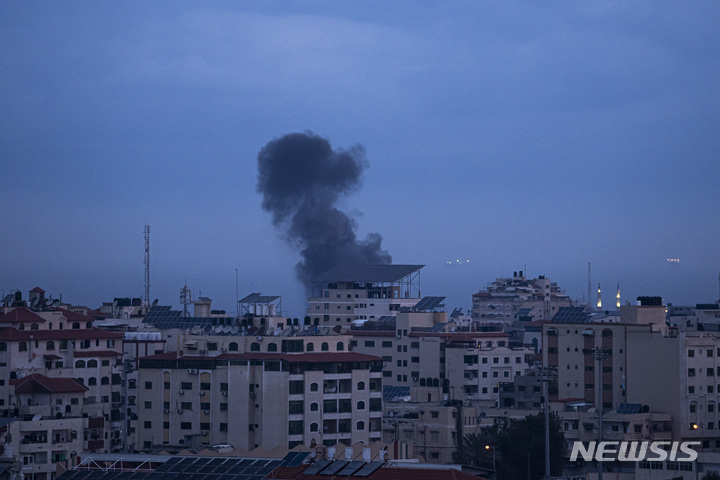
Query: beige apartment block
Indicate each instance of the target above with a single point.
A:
(503, 298)
(58, 343)
(478, 369)
(362, 292)
(255, 399)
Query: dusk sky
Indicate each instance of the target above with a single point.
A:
(534, 136)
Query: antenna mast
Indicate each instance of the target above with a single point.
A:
(589, 287)
(146, 300)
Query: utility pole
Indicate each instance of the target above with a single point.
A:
(546, 375)
(600, 354)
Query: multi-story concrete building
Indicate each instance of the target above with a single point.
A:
(362, 292)
(59, 343)
(259, 399)
(504, 297)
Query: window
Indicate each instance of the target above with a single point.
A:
(296, 407)
(369, 343)
(313, 387)
(272, 347)
(147, 424)
(360, 425)
(324, 347)
(360, 405)
(314, 407)
(361, 385)
(148, 404)
(313, 427)
(22, 346)
(185, 385)
(50, 345)
(340, 347)
(185, 425)
(387, 344)
(295, 427)
(310, 347)
(148, 385)
(691, 353)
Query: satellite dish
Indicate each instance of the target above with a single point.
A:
(234, 330)
(218, 328)
(155, 302)
(591, 410)
(227, 329)
(259, 338)
(407, 398)
(196, 330)
(56, 303)
(37, 417)
(35, 301)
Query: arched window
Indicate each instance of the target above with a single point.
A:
(88, 325)
(81, 381)
(105, 381)
(272, 347)
(92, 363)
(313, 427)
(49, 345)
(436, 382)
(340, 346)
(314, 407)
(325, 347)
(21, 326)
(22, 346)
(310, 347)
(361, 385)
(360, 405)
(254, 347)
(360, 425)
(34, 326)
(3, 347)
(76, 326)
(422, 382)
(313, 387)
(92, 381)
(233, 347)
(79, 363)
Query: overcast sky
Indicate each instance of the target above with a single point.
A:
(535, 136)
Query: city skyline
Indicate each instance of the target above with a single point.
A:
(514, 136)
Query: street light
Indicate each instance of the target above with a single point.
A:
(546, 375)
(488, 447)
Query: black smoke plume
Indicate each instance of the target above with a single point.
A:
(301, 178)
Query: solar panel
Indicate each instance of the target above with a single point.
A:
(351, 468)
(429, 303)
(316, 467)
(296, 460)
(438, 327)
(334, 467)
(570, 315)
(394, 391)
(368, 469)
(272, 465)
(629, 408)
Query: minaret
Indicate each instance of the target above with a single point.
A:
(599, 302)
(617, 298)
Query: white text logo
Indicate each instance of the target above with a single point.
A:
(635, 451)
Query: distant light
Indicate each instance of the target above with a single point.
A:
(673, 260)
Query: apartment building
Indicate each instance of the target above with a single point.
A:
(363, 292)
(258, 399)
(480, 366)
(539, 298)
(56, 342)
(50, 424)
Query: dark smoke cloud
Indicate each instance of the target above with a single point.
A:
(301, 178)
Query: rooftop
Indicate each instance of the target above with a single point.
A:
(367, 273)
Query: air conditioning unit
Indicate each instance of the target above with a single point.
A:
(202, 392)
(180, 411)
(203, 432)
(202, 351)
(224, 394)
(181, 392)
(252, 394)
(206, 412)
(190, 370)
(194, 371)
(224, 349)
(415, 379)
(166, 411)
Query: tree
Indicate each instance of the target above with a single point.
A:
(473, 451)
(711, 475)
(521, 447)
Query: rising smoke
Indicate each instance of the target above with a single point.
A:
(301, 178)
